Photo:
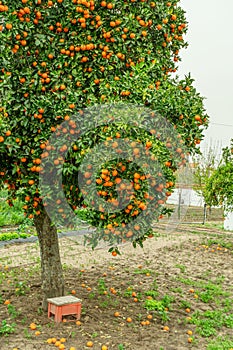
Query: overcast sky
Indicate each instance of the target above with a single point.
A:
(209, 59)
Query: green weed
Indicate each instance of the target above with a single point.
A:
(101, 286)
(6, 328)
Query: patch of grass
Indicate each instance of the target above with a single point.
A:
(152, 293)
(211, 289)
(10, 215)
(104, 304)
(210, 321)
(143, 271)
(7, 236)
(13, 313)
(161, 306)
(177, 290)
(94, 335)
(21, 288)
(7, 328)
(185, 304)
(154, 305)
(220, 343)
(215, 225)
(128, 292)
(181, 267)
(219, 242)
(91, 295)
(227, 304)
(101, 286)
(27, 334)
(121, 347)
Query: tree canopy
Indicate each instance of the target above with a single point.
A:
(61, 57)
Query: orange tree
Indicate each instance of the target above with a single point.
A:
(60, 57)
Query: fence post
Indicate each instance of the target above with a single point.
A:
(179, 204)
(204, 214)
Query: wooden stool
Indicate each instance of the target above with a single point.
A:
(63, 306)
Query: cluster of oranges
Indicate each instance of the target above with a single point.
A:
(60, 344)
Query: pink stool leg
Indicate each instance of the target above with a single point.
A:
(78, 314)
(49, 310)
(58, 314)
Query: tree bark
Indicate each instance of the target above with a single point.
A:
(52, 284)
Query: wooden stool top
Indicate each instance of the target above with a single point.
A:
(68, 299)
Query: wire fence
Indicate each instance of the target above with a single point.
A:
(189, 207)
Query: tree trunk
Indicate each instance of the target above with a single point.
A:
(51, 268)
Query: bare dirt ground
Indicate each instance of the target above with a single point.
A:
(183, 275)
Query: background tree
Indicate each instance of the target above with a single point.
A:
(204, 166)
(219, 188)
(61, 56)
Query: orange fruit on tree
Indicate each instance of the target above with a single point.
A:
(8, 26)
(173, 17)
(197, 118)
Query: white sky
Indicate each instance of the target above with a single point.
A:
(209, 59)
